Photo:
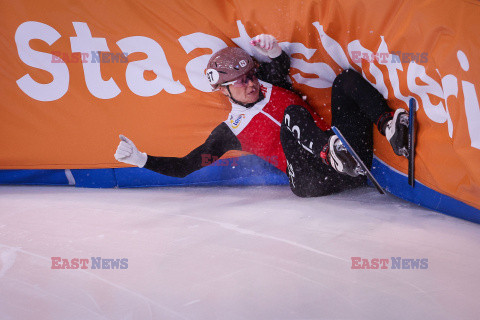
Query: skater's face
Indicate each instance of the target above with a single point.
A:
(245, 89)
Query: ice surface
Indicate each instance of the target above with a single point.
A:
(231, 253)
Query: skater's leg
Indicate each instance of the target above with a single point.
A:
(367, 100)
(302, 142)
(300, 122)
(356, 106)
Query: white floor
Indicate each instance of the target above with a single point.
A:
(231, 253)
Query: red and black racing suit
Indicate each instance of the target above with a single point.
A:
(284, 130)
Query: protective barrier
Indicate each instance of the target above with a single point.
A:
(76, 74)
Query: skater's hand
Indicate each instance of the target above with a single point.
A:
(128, 153)
(267, 45)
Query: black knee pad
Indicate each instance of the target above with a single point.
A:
(294, 111)
(346, 76)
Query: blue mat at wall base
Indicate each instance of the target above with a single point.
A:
(396, 183)
(34, 177)
(247, 170)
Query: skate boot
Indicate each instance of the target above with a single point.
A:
(336, 155)
(396, 132)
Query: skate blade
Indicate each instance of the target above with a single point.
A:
(404, 121)
(360, 171)
(404, 152)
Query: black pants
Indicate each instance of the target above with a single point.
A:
(356, 105)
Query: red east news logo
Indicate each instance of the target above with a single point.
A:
(83, 263)
(384, 263)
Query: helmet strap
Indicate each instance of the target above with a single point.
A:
(246, 105)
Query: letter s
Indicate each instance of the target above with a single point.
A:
(43, 92)
(424, 263)
(322, 70)
(74, 263)
(124, 263)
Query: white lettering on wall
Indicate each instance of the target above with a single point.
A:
(323, 71)
(84, 42)
(195, 68)
(374, 70)
(156, 61)
(392, 68)
(39, 91)
(472, 109)
(333, 48)
(436, 113)
(446, 87)
(450, 88)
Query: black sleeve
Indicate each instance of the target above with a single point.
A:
(276, 71)
(217, 144)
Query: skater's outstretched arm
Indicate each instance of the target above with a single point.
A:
(217, 144)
